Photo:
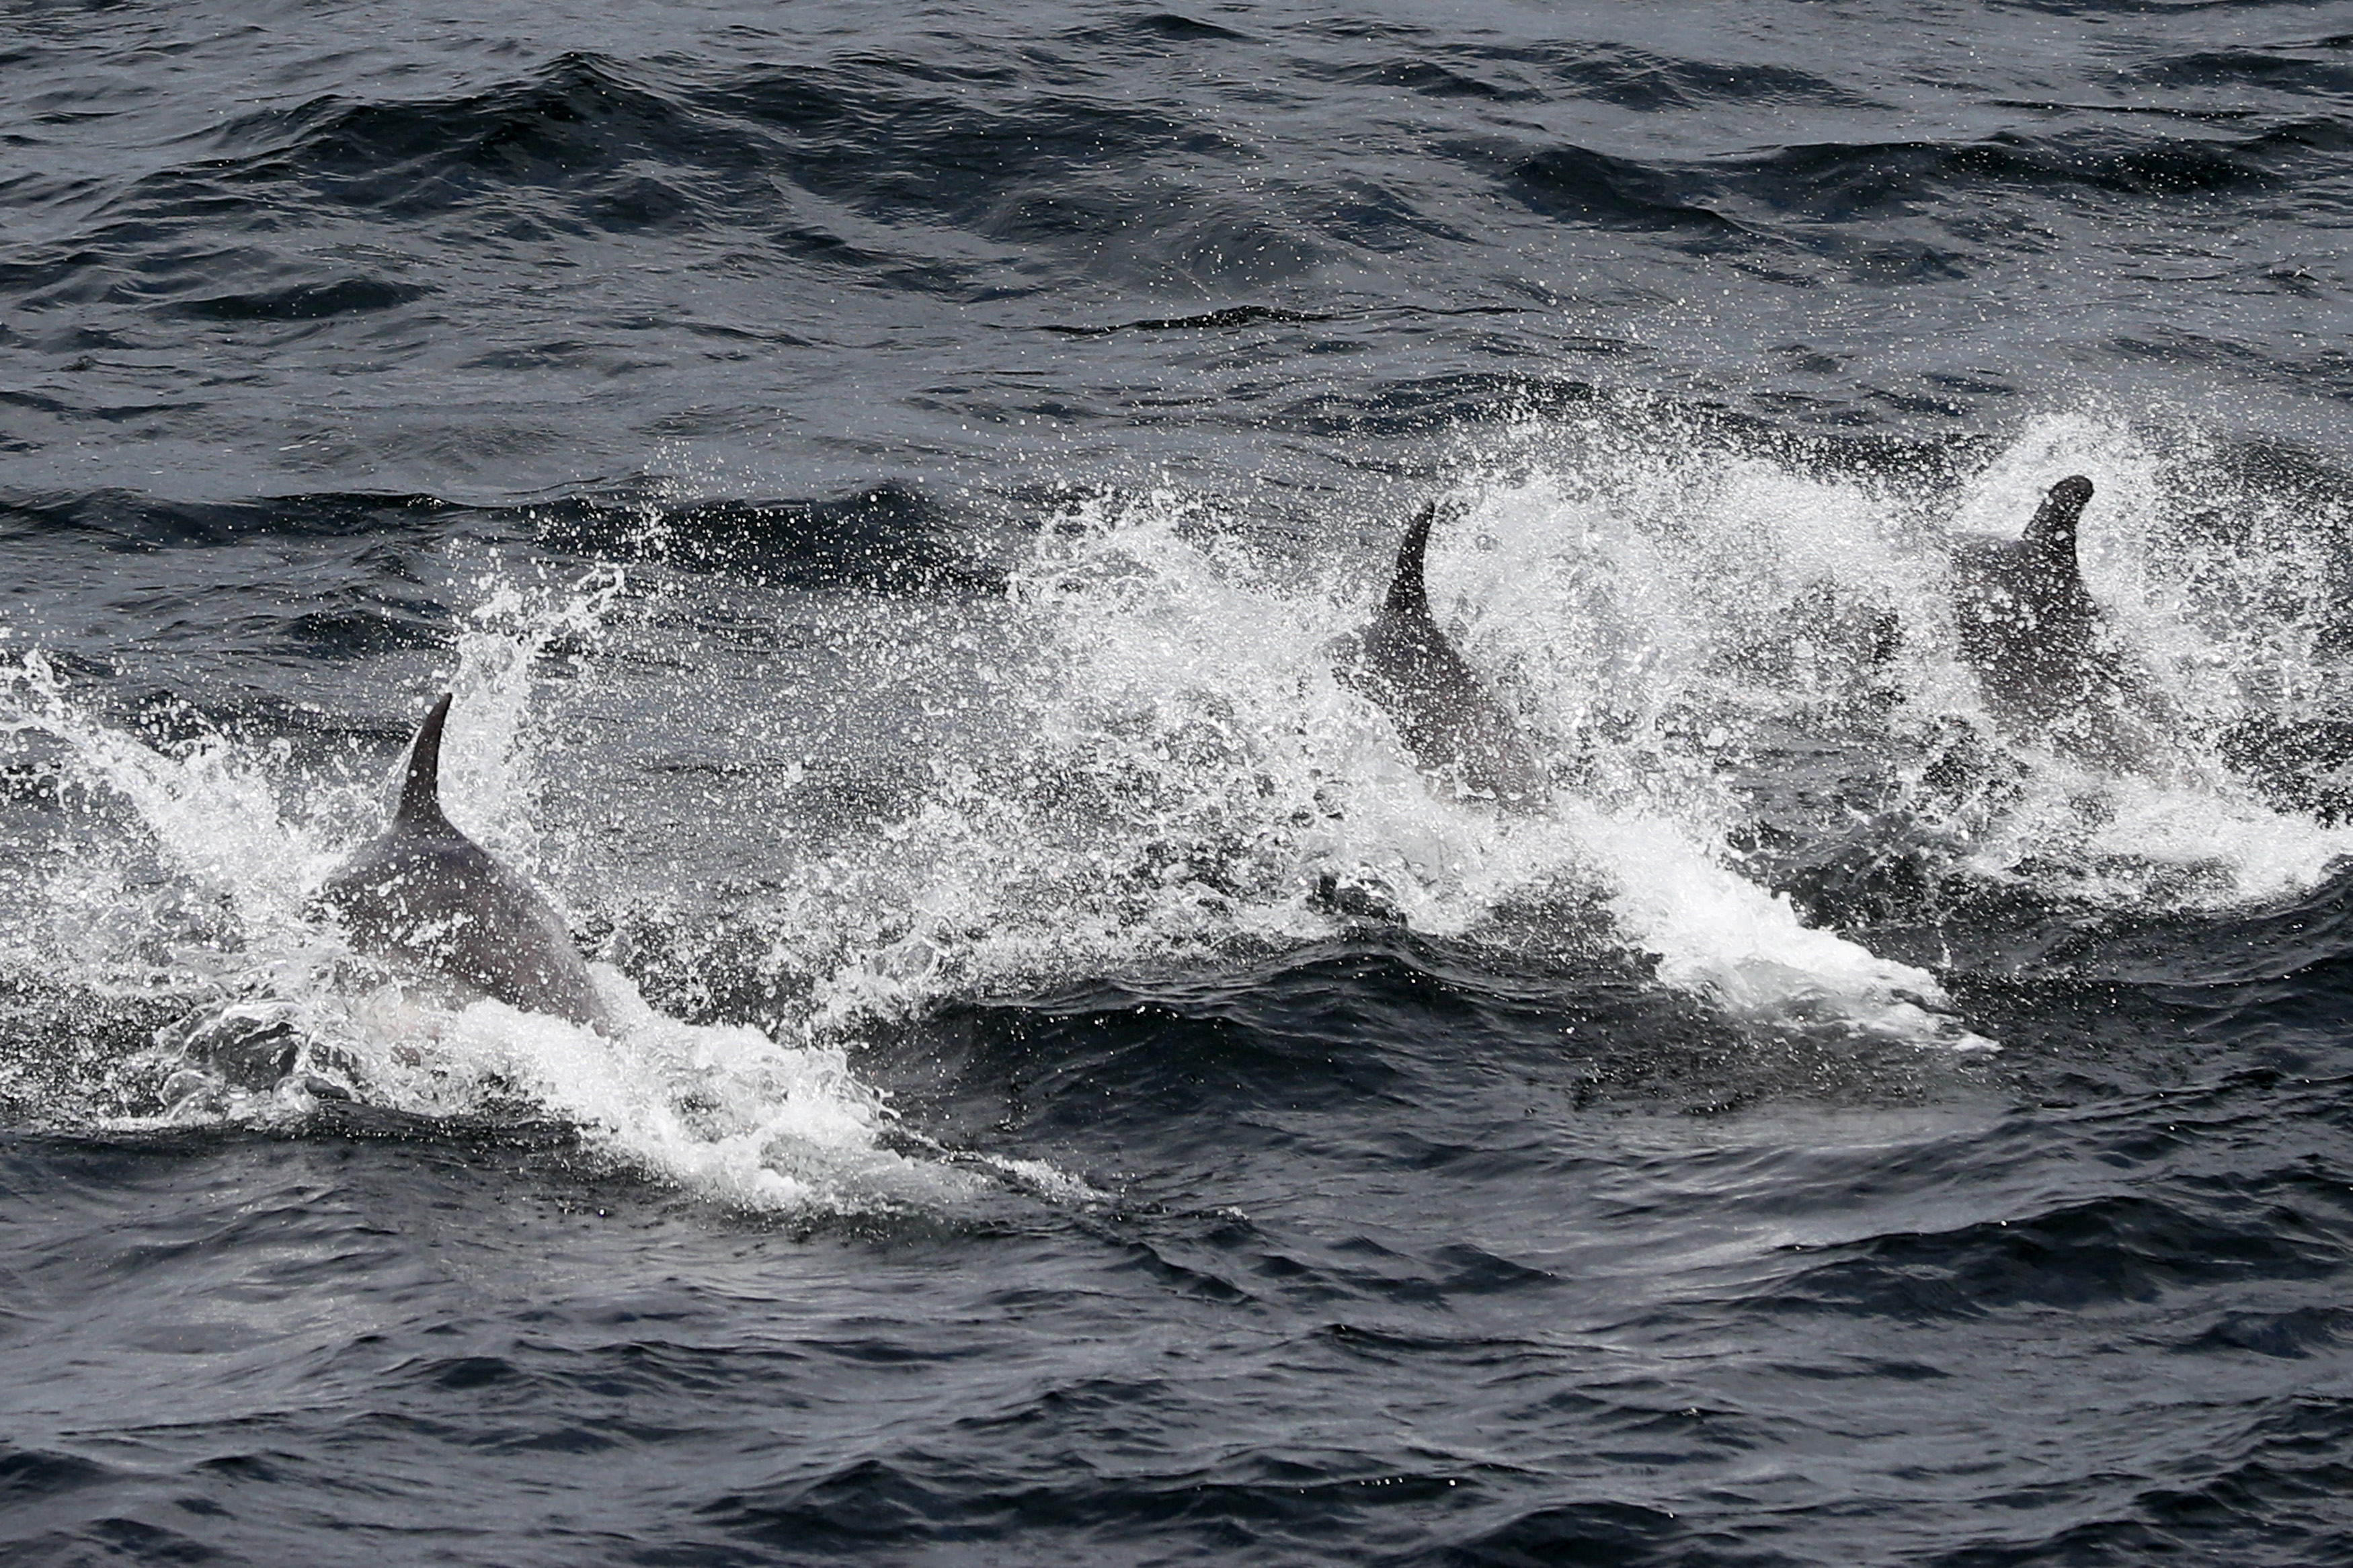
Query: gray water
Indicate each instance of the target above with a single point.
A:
(883, 489)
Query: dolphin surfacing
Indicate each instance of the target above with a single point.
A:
(1450, 721)
(427, 895)
(2040, 646)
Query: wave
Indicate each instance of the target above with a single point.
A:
(621, 149)
(2085, 1255)
(305, 301)
(1845, 182)
(1613, 191)
(2281, 68)
(888, 537)
(579, 124)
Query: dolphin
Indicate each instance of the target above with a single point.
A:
(1450, 721)
(2040, 646)
(427, 895)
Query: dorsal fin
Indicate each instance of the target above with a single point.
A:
(2053, 528)
(1409, 594)
(421, 793)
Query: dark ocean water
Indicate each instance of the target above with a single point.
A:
(883, 486)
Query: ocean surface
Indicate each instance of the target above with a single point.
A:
(884, 484)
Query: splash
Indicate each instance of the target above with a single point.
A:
(280, 1016)
(217, 837)
(489, 764)
(1710, 618)
(1184, 780)
(1695, 631)
(1138, 760)
(2224, 595)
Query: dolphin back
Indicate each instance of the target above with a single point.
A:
(2045, 655)
(1447, 718)
(427, 897)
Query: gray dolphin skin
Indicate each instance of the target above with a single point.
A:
(1451, 724)
(2039, 644)
(426, 895)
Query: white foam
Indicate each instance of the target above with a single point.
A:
(1718, 934)
(1196, 722)
(1151, 763)
(2224, 620)
(724, 1111)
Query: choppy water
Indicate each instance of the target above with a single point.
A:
(883, 489)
